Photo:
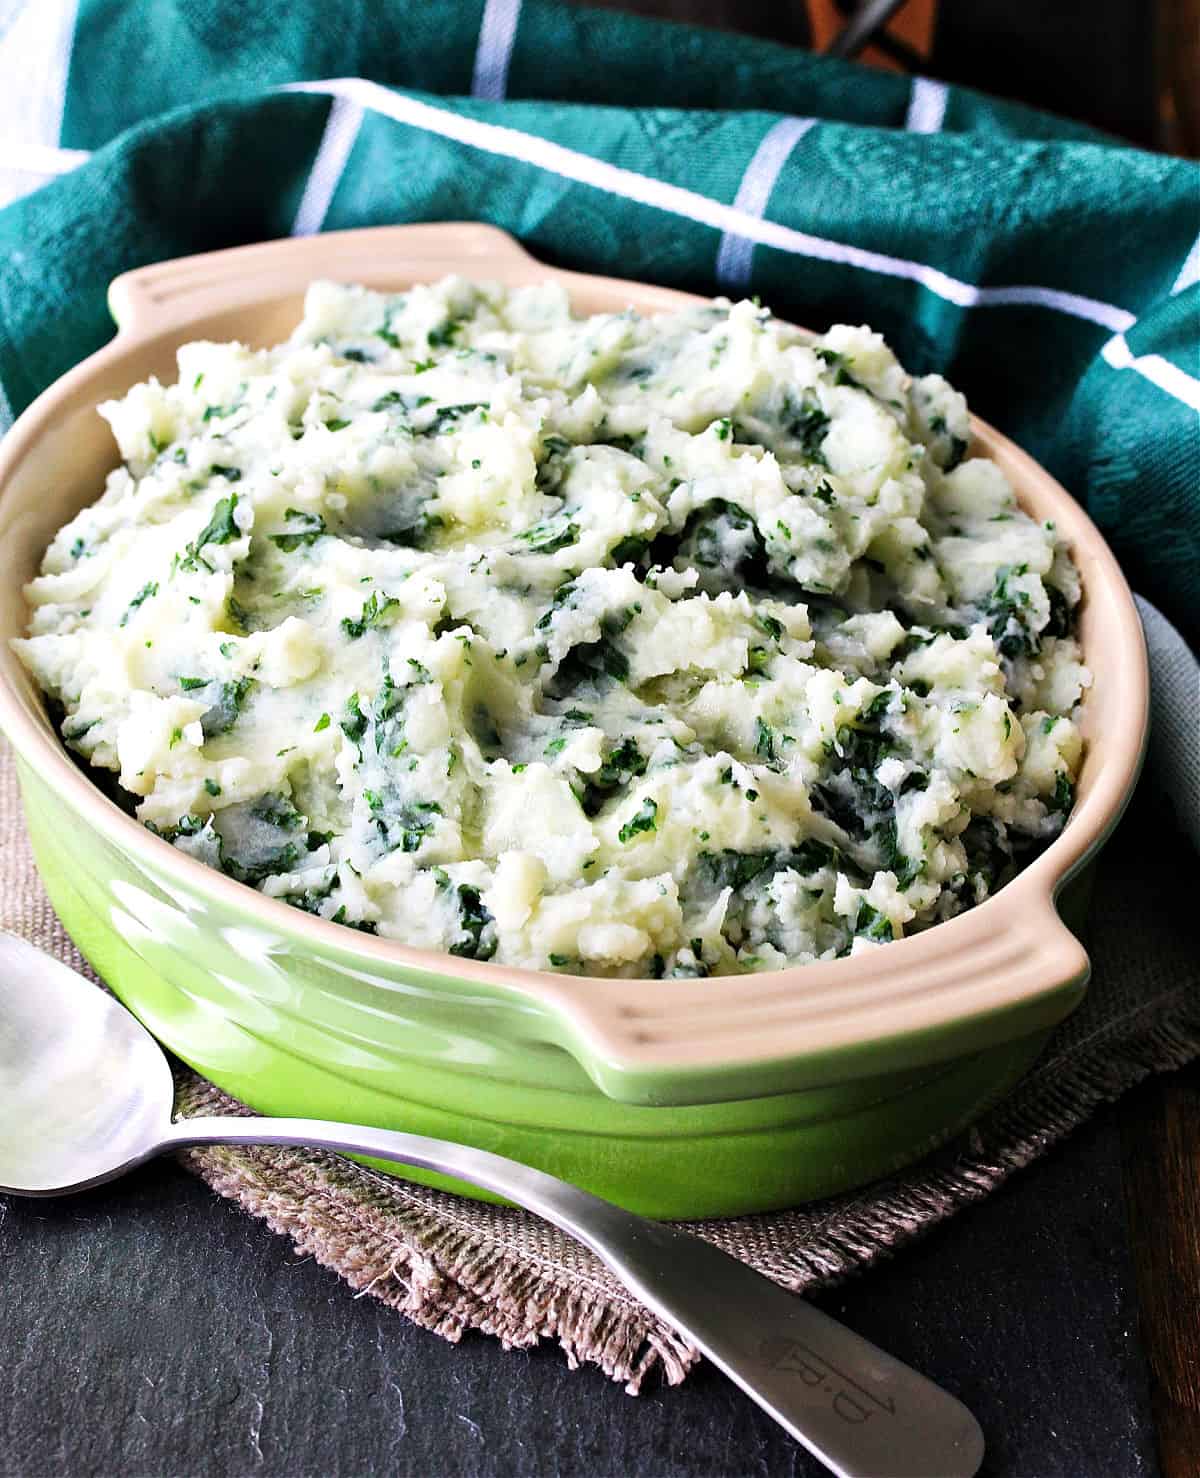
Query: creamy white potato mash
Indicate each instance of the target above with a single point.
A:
(665, 646)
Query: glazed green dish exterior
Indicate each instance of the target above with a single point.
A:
(678, 1099)
(289, 1031)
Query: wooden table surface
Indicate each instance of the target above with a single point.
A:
(1160, 1133)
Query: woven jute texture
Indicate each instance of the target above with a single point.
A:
(454, 1265)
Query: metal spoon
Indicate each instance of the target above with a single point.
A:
(86, 1094)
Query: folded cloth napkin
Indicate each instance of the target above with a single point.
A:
(1051, 274)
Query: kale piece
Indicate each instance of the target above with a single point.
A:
(477, 934)
(375, 613)
(623, 763)
(304, 529)
(221, 528)
(593, 663)
(1007, 614)
(147, 592)
(805, 422)
(226, 707)
(401, 400)
(643, 820)
(354, 721)
(628, 550)
(722, 541)
(261, 837)
(559, 531)
(871, 924)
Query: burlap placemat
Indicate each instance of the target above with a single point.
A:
(453, 1265)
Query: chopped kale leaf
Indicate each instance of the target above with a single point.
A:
(375, 613)
(147, 592)
(303, 529)
(477, 934)
(224, 712)
(551, 535)
(643, 820)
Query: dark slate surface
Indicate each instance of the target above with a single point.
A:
(153, 1329)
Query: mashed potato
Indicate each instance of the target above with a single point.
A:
(665, 646)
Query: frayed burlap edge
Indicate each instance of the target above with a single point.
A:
(441, 1273)
(416, 1251)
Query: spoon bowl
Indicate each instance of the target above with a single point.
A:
(85, 1091)
(86, 1094)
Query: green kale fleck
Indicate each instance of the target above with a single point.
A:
(1007, 611)
(551, 534)
(148, 590)
(375, 613)
(840, 366)
(643, 820)
(446, 415)
(402, 399)
(443, 336)
(354, 723)
(805, 421)
(628, 550)
(477, 935)
(223, 714)
(304, 529)
(220, 529)
(387, 715)
(260, 838)
(624, 762)
(1064, 794)
(219, 412)
(871, 924)
(364, 926)
(764, 741)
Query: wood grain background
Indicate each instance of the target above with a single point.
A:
(1131, 67)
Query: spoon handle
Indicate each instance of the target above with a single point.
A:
(864, 1414)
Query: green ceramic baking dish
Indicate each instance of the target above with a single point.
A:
(684, 1098)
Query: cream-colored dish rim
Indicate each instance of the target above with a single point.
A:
(994, 959)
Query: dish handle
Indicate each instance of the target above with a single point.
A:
(164, 296)
(979, 981)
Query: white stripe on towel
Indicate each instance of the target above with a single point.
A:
(341, 130)
(598, 174)
(1190, 271)
(736, 254)
(35, 55)
(926, 106)
(493, 51)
